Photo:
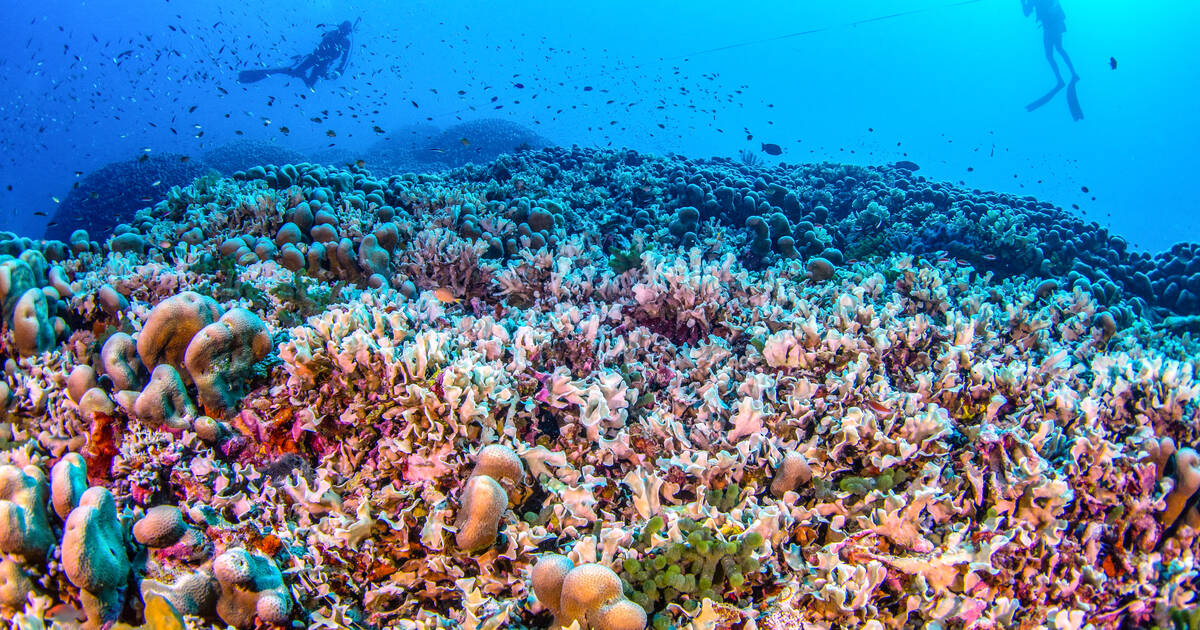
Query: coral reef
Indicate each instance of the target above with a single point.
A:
(602, 390)
(112, 194)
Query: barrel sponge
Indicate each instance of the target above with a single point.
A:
(24, 527)
(251, 586)
(68, 482)
(222, 356)
(483, 503)
(164, 401)
(590, 594)
(15, 587)
(119, 359)
(33, 331)
(792, 472)
(499, 462)
(93, 555)
(170, 326)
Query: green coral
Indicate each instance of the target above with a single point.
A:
(304, 297)
(624, 260)
(705, 564)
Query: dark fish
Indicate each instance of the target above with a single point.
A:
(1112, 62)
(331, 133)
(771, 149)
(39, 213)
(907, 165)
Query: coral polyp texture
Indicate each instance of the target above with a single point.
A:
(598, 390)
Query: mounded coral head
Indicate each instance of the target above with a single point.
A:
(165, 401)
(792, 472)
(222, 355)
(33, 332)
(15, 586)
(24, 528)
(1187, 484)
(93, 555)
(590, 594)
(170, 327)
(119, 359)
(251, 586)
(499, 462)
(68, 482)
(483, 503)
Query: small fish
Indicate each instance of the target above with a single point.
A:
(771, 149)
(465, 142)
(445, 296)
(56, 200)
(38, 213)
(907, 165)
(331, 133)
(989, 257)
(1112, 62)
(283, 129)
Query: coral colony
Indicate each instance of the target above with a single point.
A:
(595, 389)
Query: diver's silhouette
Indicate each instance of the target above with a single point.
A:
(1053, 19)
(316, 65)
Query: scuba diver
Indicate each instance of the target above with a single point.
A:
(316, 65)
(1053, 19)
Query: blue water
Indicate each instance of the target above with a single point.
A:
(943, 84)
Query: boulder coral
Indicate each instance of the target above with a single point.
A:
(170, 326)
(251, 588)
(33, 331)
(94, 555)
(484, 498)
(24, 528)
(590, 595)
(164, 402)
(120, 361)
(222, 355)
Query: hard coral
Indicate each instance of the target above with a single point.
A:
(588, 594)
(94, 555)
(222, 355)
(251, 589)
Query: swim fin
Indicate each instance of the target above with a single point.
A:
(1045, 98)
(1073, 101)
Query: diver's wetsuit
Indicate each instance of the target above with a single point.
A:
(315, 65)
(1054, 23)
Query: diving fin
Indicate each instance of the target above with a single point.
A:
(1045, 98)
(1073, 101)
